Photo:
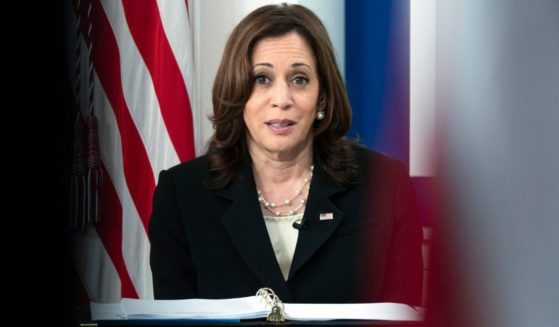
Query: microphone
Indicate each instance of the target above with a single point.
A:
(300, 224)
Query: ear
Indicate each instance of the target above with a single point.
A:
(321, 103)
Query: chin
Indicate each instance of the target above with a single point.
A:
(280, 147)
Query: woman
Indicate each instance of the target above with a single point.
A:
(278, 200)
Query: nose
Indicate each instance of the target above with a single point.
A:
(281, 95)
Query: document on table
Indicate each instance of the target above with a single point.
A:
(251, 307)
(352, 311)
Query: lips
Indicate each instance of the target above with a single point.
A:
(280, 126)
(280, 122)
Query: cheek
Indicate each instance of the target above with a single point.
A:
(246, 119)
(254, 109)
(250, 118)
(310, 111)
(251, 108)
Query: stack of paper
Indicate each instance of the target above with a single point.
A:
(252, 307)
(353, 311)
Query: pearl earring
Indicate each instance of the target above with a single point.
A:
(320, 115)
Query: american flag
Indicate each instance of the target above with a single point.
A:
(142, 77)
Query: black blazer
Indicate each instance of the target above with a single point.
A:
(214, 244)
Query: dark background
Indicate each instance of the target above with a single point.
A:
(36, 156)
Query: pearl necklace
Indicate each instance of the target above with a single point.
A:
(271, 206)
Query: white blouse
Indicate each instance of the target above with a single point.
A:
(284, 239)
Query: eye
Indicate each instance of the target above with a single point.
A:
(261, 79)
(300, 80)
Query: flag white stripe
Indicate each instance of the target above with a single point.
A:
(135, 250)
(135, 242)
(176, 23)
(141, 99)
(93, 263)
(174, 17)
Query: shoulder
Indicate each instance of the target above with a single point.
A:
(192, 171)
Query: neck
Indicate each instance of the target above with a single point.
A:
(282, 181)
(275, 169)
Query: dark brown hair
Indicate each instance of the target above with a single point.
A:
(233, 87)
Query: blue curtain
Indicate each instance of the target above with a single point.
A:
(377, 73)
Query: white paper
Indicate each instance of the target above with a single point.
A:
(236, 308)
(352, 311)
(252, 307)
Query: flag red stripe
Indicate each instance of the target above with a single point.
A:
(147, 30)
(137, 168)
(110, 233)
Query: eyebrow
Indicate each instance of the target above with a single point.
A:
(294, 65)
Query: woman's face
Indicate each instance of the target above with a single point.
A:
(282, 107)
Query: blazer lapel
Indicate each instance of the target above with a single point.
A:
(317, 230)
(246, 228)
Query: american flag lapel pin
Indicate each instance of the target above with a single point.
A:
(326, 216)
